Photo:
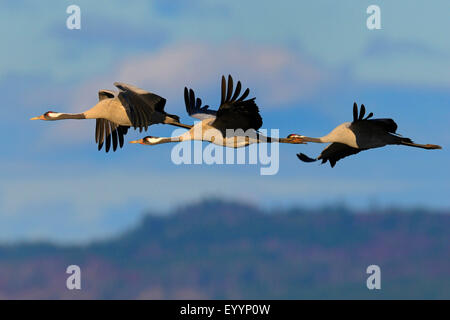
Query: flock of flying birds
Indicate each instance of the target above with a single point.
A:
(117, 111)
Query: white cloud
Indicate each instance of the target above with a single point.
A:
(276, 75)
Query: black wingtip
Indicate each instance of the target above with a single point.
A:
(191, 99)
(355, 111)
(303, 157)
(223, 90)
(186, 100)
(362, 112)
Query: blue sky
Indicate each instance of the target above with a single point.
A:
(306, 62)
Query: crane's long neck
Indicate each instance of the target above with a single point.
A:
(170, 139)
(188, 135)
(324, 139)
(157, 140)
(64, 116)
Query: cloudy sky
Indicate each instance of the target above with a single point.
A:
(306, 62)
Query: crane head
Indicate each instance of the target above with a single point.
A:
(49, 115)
(149, 140)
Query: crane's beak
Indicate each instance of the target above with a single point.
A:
(141, 141)
(38, 118)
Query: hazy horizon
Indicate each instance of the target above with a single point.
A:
(223, 250)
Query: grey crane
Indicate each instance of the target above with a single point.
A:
(359, 135)
(235, 124)
(117, 111)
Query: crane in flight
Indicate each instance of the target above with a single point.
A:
(235, 124)
(117, 111)
(359, 135)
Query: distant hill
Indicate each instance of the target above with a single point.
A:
(232, 251)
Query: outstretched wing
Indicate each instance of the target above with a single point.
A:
(337, 151)
(387, 125)
(107, 132)
(236, 113)
(194, 106)
(332, 153)
(141, 105)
